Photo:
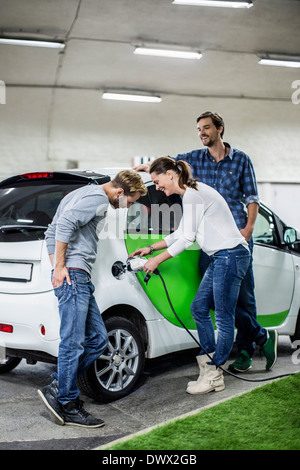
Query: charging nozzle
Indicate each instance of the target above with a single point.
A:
(133, 265)
(136, 263)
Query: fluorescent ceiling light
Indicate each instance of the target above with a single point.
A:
(32, 43)
(131, 97)
(280, 62)
(176, 54)
(214, 3)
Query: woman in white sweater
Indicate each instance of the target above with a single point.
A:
(208, 220)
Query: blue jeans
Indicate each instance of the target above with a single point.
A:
(249, 330)
(220, 287)
(83, 336)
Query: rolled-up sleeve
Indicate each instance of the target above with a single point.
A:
(249, 184)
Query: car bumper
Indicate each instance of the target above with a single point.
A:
(35, 323)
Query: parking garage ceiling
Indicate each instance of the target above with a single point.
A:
(100, 36)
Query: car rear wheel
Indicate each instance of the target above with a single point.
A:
(9, 364)
(116, 373)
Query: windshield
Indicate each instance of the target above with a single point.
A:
(26, 209)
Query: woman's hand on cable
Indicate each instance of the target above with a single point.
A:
(151, 265)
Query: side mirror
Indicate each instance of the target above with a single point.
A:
(291, 236)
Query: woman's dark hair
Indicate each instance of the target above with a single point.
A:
(181, 168)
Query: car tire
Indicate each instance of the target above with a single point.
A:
(117, 371)
(9, 364)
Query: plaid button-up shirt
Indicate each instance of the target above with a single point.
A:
(233, 177)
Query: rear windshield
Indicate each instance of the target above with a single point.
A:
(26, 209)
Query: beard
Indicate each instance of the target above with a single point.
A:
(118, 202)
(209, 142)
(211, 139)
(115, 202)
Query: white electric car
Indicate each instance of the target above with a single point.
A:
(139, 320)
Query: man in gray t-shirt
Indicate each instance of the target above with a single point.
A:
(71, 240)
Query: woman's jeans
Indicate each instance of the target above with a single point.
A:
(249, 331)
(220, 287)
(83, 336)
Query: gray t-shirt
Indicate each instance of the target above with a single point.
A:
(78, 220)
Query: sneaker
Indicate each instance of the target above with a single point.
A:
(75, 415)
(242, 363)
(48, 395)
(269, 349)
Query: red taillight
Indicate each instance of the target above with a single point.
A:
(38, 175)
(6, 328)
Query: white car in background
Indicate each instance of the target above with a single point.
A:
(137, 315)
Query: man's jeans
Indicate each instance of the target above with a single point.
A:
(249, 330)
(220, 287)
(83, 336)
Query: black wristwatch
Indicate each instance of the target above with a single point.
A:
(151, 249)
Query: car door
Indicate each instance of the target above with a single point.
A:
(273, 271)
(149, 220)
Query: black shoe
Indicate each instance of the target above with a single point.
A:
(48, 395)
(74, 414)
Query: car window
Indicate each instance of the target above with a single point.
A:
(265, 229)
(154, 213)
(27, 209)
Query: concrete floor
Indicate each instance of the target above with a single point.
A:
(160, 396)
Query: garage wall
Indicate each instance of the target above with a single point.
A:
(42, 128)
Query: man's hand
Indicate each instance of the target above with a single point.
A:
(143, 167)
(252, 210)
(59, 275)
(247, 233)
(60, 272)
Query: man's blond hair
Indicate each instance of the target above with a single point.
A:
(130, 181)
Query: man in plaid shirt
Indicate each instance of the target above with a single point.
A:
(230, 172)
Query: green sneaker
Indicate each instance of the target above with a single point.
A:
(269, 349)
(242, 363)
